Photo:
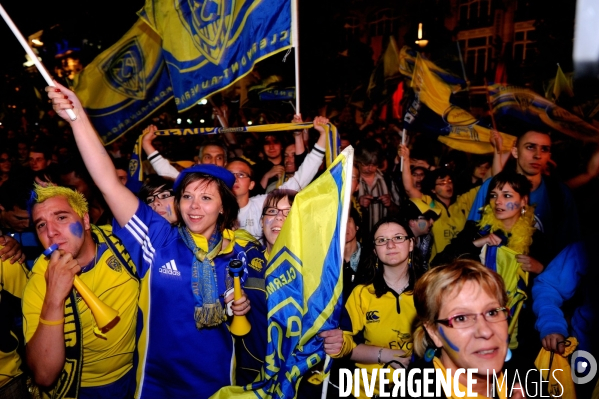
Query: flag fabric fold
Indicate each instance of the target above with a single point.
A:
(125, 83)
(432, 112)
(540, 113)
(208, 45)
(304, 283)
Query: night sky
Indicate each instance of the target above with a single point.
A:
(105, 20)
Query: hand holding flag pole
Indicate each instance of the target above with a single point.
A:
(31, 54)
(403, 142)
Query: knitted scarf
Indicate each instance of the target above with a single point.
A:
(519, 238)
(208, 310)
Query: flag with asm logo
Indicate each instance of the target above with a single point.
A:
(209, 44)
(125, 83)
(303, 283)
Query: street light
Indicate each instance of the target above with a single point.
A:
(421, 42)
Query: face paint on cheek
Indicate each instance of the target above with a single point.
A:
(268, 221)
(512, 206)
(169, 211)
(422, 225)
(449, 343)
(76, 229)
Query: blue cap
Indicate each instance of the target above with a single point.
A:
(208, 169)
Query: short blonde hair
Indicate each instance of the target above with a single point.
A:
(434, 286)
(75, 199)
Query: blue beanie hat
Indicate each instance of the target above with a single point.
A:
(208, 169)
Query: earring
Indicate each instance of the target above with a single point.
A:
(508, 355)
(523, 210)
(429, 354)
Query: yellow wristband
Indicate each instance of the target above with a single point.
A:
(52, 322)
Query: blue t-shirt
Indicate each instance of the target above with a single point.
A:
(176, 360)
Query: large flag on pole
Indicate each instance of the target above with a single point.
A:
(125, 83)
(527, 106)
(407, 62)
(304, 283)
(432, 112)
(208, 45)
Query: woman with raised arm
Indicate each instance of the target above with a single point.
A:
(184, 345)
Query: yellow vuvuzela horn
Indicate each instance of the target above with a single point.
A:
(240, 325)
(105, 316)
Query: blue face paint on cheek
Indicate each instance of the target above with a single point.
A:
(77, 229)
(512, 206)
(451, 344)
(169, 211)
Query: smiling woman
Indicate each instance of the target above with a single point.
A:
(187, 265)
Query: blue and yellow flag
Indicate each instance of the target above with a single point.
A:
(304, 283)
(538, 112)
(502, 260)
(124, 84)
(432, 112)
(208, 45)
(407, 62)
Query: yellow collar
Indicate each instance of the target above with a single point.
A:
(202, 242)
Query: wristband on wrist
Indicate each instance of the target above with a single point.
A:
(52, 322)
(153, 156)
(379, 357)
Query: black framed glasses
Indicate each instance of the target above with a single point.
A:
(162, 195)
(270, 211)
(380, 241)
(469, 319)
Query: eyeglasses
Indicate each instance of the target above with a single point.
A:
(240, 175)
(444, 182)
(380, 241)
(468, 320)
(275, 211)
(162, 195)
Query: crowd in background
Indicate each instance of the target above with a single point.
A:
(429, 203)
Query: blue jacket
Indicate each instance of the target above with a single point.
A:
(558, 283)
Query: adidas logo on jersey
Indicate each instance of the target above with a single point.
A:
(169, 268)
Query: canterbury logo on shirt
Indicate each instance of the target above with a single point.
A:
(372, 316)
(170, 268)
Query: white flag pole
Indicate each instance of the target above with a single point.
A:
(31, 54)
(295, 44)
(403, 142)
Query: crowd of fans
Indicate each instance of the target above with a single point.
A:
(418, 211)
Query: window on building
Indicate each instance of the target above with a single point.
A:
(524, 45)
(475, 13)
